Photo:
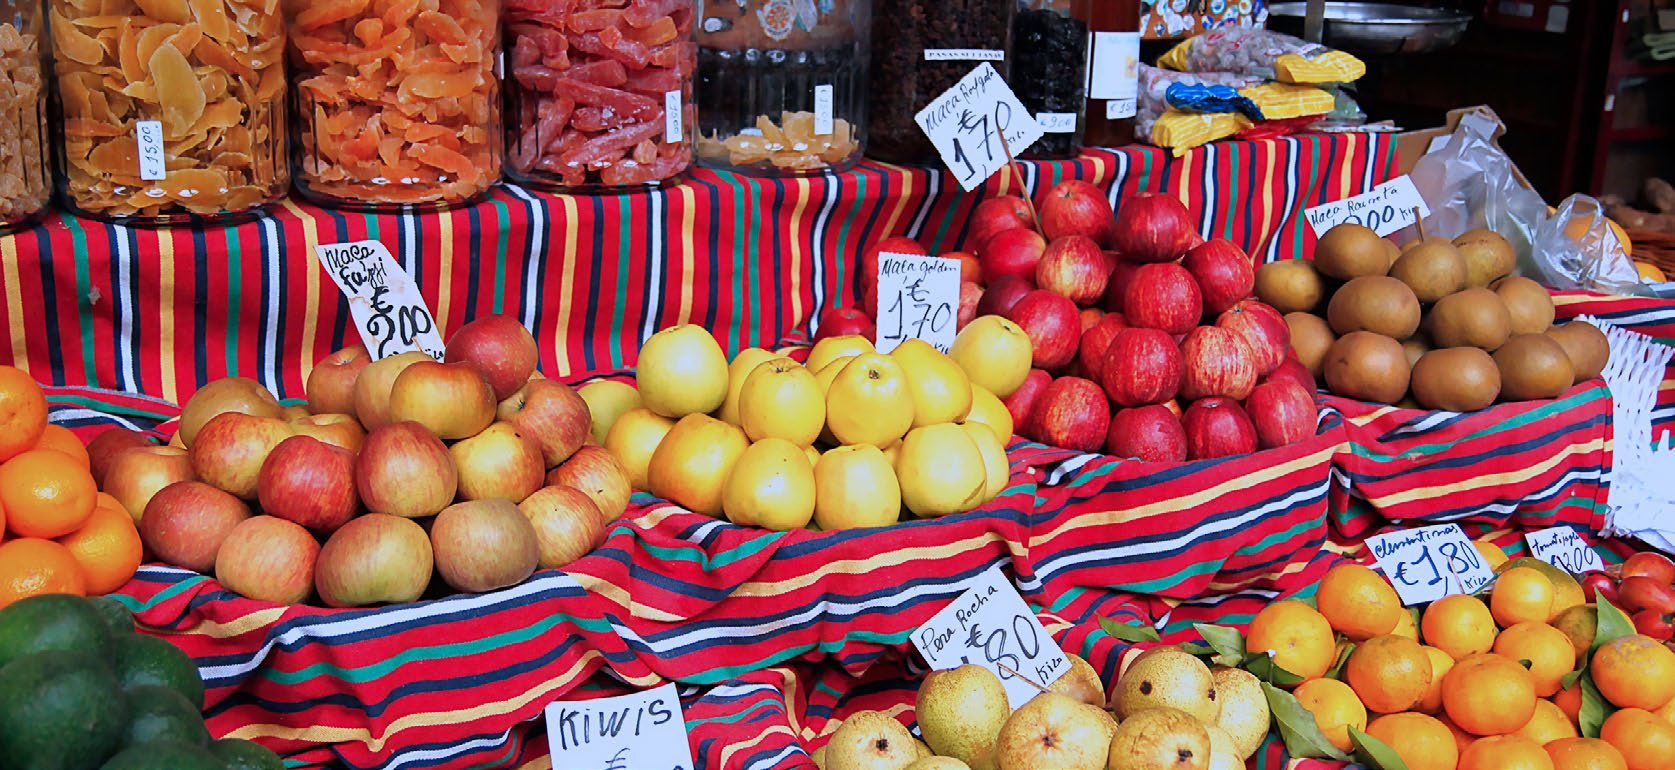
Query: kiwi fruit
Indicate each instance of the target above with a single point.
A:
(1472, 318)
(1433, 270)
(1488, 256)
(1584, 343)
(1374, 303)
(1463, 379)
(1310, 339)
(1528, 302)
(1290, 285)
(1533, 366)
(1367, 366)
(1414, 347)
(1351, 251)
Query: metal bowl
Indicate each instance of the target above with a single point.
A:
(1376, 28)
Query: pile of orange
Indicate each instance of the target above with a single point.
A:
(58, 533)
(1473, 684)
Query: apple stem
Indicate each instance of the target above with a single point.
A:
(1012, 163)
(1018, 674)
(1419, 222)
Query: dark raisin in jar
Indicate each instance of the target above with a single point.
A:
(1049, 65)
(920, 49)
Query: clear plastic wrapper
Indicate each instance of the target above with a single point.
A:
(1265, 53)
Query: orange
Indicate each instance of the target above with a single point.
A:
(1406, 626)
(107, 547)
(1548, 724)
(1440, 666)
(59, 439)
(1421, 741)
(1546, 648)
(1389, 673)
(1299, 636)
(1650, 272)
(1646, 741)
(1505, 752)
(1569, 701)
(1459, 625)
(1462, 739)
(31, 566)
(1667, 712)
(1335, 709)
(1635, 671)
(1358, 602)
(1491, 553)
(46, 493)
(1521, 595)
(1585, 754)
(23, 412)
(1488, 695)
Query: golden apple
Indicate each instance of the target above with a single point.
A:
(691, 464)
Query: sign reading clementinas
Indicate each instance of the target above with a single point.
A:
(1429, 563)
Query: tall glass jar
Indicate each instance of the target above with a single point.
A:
(173, 111)
(920, 49)
(1113, 70)
(782, 85)
(397, 103)
(600, 99)
(25, 170)
(1049, 62)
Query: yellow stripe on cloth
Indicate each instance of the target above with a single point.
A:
(797, 250)
(311, 307)
(14, 301)
(1512, 479)
(166, 314)
(566, 280)
(244, 624)
(445, 276)
(688, 252)
(734, 748)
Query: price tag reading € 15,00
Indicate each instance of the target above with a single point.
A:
(639, 731)
(1429, 563)
(1385, 208)
(989, 625)
(918, 298)
(965, 123)
(388, 310)
(1564, 548)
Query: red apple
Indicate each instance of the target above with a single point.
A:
(1072, 413)
(103, 449)
(186, 522)
(1151, 433)
(499, 347)
(844, 321)
(553, 414)
(1116, 286)
(970, 295)
(482, 545)
(1162, 296)
(1021, 404)
(1002, 294)
(1283, 413)
(1142, 366)
(230, 448)
(1095, 341)
(1263, 329)
(1223, 272)
(597, 473)
(1153, 227)
(1216, 362)
(993, 216)
(1654, 624)
(136, 475)
(504, 461)
(373, 386)
(1012, 252)
(269, 560)
(1217, 427)
(1075, 267)
(374, 559)
(567, 524)
(970, 269)
(1051, 322)
(340, 430)
(1089, 317)
(309, 482)
(331, 383)
(454, 401)
(405, 470)
(1292, 370)
(1075, 207)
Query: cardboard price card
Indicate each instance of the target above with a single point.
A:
(966, 121)
(639, 731)
(1385, 209)
(388, 310)
(989, 625)
(1564, 548)
(918, 298)
(1429, 563)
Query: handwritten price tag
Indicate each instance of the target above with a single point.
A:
(918, 298)
(1564, 548)
(641, 731)
(148, 136)
(388, 310)
(1385, 208)
(966, 121)
(1429, 563)
(989, 625)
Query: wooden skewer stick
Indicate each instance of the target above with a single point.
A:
(1012, 163)
(1419, 222)
(1018, 674)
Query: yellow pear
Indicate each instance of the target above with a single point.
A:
(995, 353)
(691, 464)
(781, 399)
(941, 391)
(682, 371)
(606, 401)
(869, 402)
(855, 487)
(940, 470)
(772, 486)
(870, 740)
(634, 437)
(989, 410)
(834, 348)
(996, 471)
(743, 364)
(960, 712)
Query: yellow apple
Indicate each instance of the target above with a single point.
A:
(940, 470)
(682, 371)
(812, 454)
(833, 348)
(771, 486)
(941, 392)
(994, 353)
(990, 411)
(606, 401)
(634, 437)
(869, 403)
(996, 471)
(692, 462)
(743, 364)
(855, 487)
(781, 399)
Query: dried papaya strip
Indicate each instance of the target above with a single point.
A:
(637, 107)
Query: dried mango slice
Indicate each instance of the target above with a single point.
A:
(791, 144)
(74, 44)
(178, 90)
(165, 10)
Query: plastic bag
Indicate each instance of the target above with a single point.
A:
(1157, 88)
(1265, 53)
(1576, 249)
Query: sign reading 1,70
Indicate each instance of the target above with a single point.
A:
(918, 298)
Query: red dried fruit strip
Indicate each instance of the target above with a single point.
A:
(615, 141)
(644, 13)
(624, 103)
(605, 72)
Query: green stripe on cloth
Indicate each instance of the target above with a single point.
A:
(503, 230)
(84, 310)
(722, 674)
(624, 253)
(739, 206)
(754, 301)
(692, 552)
(843, 257)
(1229, 193)
(134, 605)
(1155, 586)
(235, 294)
(109, 408)
(1532, 416)
(738, 717)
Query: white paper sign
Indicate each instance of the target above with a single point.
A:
(640, 731)
(1429, 563)
(989, 625)
(1385, 208)
(918, 298)
(966, 121)
(823, 109)
(964, 54)
(1057, 122)
(148, 134)
(1114, 68)
(673, 110)
(388, 309)
(1564, 548)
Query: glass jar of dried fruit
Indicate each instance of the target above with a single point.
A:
(1049, 70)
(920, 49)
(173, 110)
(782, 85)
(397, 102)
(25, 170)
(599, 98)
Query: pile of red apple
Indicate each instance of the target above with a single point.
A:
(1644, 587)
(474, 469)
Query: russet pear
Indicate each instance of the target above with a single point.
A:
(870, 740)
(961, 711)
(1055, 731)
